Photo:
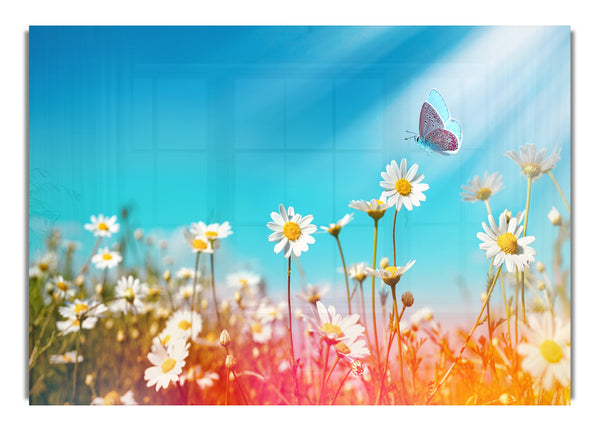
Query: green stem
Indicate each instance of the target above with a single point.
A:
(193, 296)
(323, 373)
(559, 191)
(506, 309)
(345, 274)
(489, 325)
(75, 367)
(525, 234)
(214, 294)
(399, 338)
(87, 262)
(487, 205)
(293, 358)
(394, 235)
(340, 387)
(477, 322)
(373, 292)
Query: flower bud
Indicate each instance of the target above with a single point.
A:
(541, 267)
(224, 338)
(230, 361)
(167, 275)
(384, 263)
(506, 399)
(408, 299)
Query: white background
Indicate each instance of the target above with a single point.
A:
(15, 19)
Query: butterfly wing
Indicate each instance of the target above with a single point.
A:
(429, 120)
(442, 141)
(436, 100)
(453, 126)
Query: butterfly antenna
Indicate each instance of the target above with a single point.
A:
(413, 135)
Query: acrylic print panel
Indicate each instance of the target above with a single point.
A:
(290, 215)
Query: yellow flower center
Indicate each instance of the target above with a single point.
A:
(76, 322)
(62, 286)
(291, 231)
(129, 295)
(335, 230)
(256, 328)
(153, 291)
(198, 244)
(313, 299)
(184, 324)
(508, 243)
(168, 365)
(43, 266)
(551, 351)
(112, 399)
(107, 256)
(211, 234)
(80, 308)
(102, 226)
(391, 269)
(403, 187)
(531, 169)
(484, 194)
(332, 329)
(393, 279)
(342, 348)
(243, 283)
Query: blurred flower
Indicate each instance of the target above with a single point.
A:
(402, 187)
(291, 231)
(375, 208)
(532, 161)
(335, 228)
(63, 287)
(313, 293)
(131, 290)
(180, 325)
(357, 271)
(243, 280)
(546, 351)
(260, 331)
(203, 379)
(79, 314)
(554, 217)
(102, 226)
(391, 275)
(66, 358)
(268, 313)
(186, 274)
(168, 362)
(352, 350)
(183, 296)
(106, 258)
(482, 188)
(502, 243)
(113, 399)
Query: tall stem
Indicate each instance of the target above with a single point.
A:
(399, 338)
(559, 191)
(293, 358)
(506, 309)
(345, 274)
(324, 373)
(443, 380)
(525, 234)
(75, 366)
(214, 294)
(193, 296)
(489, 325)
(87, 262)
(373, 292)
(394, 235)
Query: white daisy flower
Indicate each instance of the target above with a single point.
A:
(546, 351)
(199, 243)
(402, 187)
(66, 358)
(48, 263)
(502, 243)
(168, 363)
(532, 161)
(422, 315)
(114, 399)
(554, 217)
(481, 189)
(243, 280)
(102, 226)
(62, 287)
(375, 208)
(186, 274)
(268, 313)
(180, 325)
(203, 379)
(212, 231)
(79, 314)
(291, 231)
(131, 290)
(333, 328)
(358, 271)
(260, 331)
(335, 228)
(183, 296)
(106, 258)
(390, 275)
(313, 293)
(352, 350)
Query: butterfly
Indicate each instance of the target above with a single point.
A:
(438, 132)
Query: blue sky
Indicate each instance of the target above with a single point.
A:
(224, 123)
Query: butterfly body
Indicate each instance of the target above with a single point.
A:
(438, 132)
